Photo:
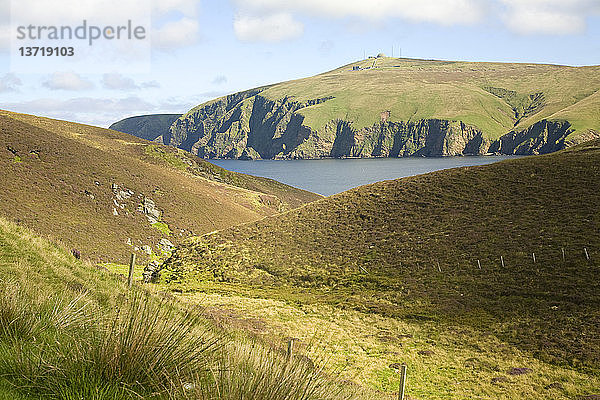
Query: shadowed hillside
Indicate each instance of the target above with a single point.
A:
(107, 193)
(150, 127)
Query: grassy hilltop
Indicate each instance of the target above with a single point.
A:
(107, 193)
(495, 97)
(390, 107)
(436, 270)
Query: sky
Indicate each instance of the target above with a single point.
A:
(202, 49)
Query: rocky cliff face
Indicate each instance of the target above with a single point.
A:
(203, 121)
(540, 138)
(248, 125)
(431, 137)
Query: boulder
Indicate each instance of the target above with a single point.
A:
(499, 379)
(149, 209)
(519, 371)
(165, 245)
(151, 272)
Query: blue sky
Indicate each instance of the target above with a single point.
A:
(207, 48)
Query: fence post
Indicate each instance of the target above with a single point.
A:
(402, 382)
(479, 264)
(502, 261)
(131, 266)
(533, 254)
(563, 253)
(587, 256)
(290, 349)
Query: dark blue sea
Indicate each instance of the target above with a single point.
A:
(330, 176)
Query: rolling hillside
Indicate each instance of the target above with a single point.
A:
(389, 107)
(106, 193)
(497, 252)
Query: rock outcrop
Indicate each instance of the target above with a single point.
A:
(149, 209)
(151, 272)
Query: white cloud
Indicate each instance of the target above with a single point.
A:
(173, 34)
(116, 81)
(70, 11)
(150, 84)
(186, 7)
(4, 38)
(177, 24)
(446, 12)
(523, 16)
(558, 17)
(269, 28)
(9, 83)
(211, 94)
(95, 111)
(4, 26)
(84, 105)
(67, 81)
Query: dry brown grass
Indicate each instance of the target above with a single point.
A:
(63, 164)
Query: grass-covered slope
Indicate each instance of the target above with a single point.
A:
(71, 331)
(106, 193)
(149, 127)
(453, 248)
(388, 107)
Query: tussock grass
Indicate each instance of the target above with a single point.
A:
(72, 348)
(264, 374)
(363, 347)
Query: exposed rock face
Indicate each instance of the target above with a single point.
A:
(432, 137)
(540, 138)
(203, 121)
(244, 126)
(165, 245)
(248, 125)
(149, 209)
